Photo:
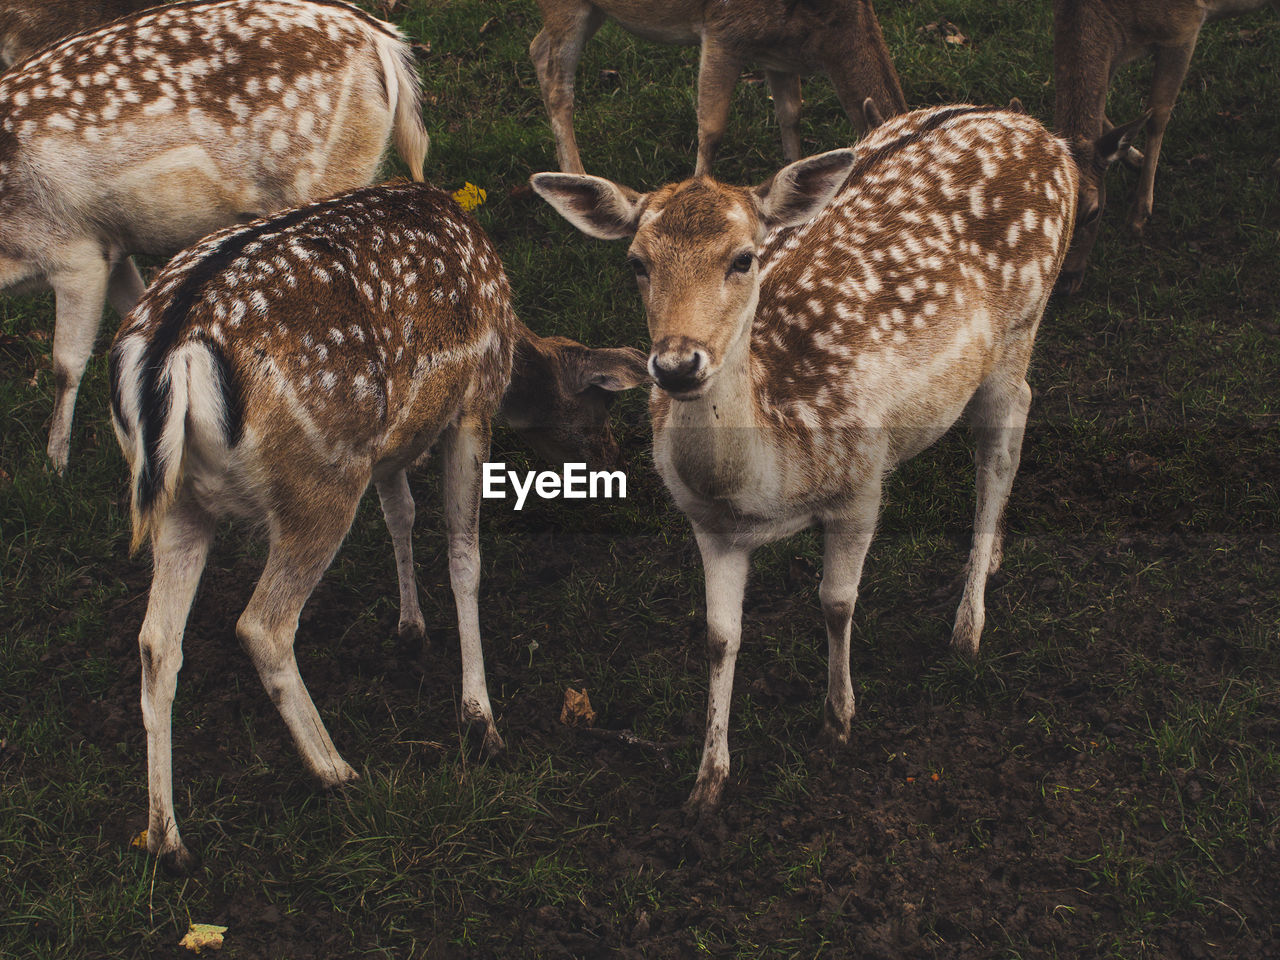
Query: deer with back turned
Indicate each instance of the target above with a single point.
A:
(1092, 40)
(790, 38)
(149, 133)
(813, 332)
(272, 372)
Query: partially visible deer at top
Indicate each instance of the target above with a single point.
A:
(1092, 40)
(796, 367)
(30, 25)
(151, 132)
(790, 38)
(276, 369)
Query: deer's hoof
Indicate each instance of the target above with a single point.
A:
(705, 797)
(177, 861)
(836, 729)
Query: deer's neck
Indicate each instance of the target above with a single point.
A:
(713, 445)
(1088, 42)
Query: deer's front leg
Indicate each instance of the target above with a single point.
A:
(718, 72)
(845, 544)
(1170, 71)
(725, 569)
(464, 448)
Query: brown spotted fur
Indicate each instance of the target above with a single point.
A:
(148, 133)
(277, 368)
(809, 336)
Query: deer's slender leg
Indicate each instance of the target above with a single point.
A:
(398, 511)
(785, 89)
(718, 72)
(725, 567)
(463, 448)
(80, 289)
(845, 543)
(126, 286)
(555, 52)
(179, 550)
(1170, 70)
(998, 413)
(302, 547)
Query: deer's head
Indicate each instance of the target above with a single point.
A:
(1093, 159)
(695, 252)
(560, 393)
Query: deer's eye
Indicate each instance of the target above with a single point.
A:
(741, 263)
(637, 267)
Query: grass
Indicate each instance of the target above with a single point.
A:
(1108, 771)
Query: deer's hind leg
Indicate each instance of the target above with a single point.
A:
(180, 547)
(555, 52)
(305, 535)
(998, 419)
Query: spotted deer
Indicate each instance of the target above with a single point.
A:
(1092, 40)
(151, 132)
(275, 369)
(30, 25)
(811, 333)
(791, 38)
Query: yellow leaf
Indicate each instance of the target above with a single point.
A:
(139, 842)
(469, 196)
(203, 936)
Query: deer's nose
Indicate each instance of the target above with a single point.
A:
(678, 364)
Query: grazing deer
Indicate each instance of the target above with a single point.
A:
(1092, 39)
(270, 373)
(30, 25)
(803, 346)
(792, 38)
(153, 131)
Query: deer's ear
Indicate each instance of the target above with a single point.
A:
(612, 368)
(599, 208)
(1114, 144)
(799, 190)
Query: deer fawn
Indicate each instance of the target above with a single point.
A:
(791, 38)
(30, 25)
(270, 373)
(802, 349)
(1092, 39)
(153, 131)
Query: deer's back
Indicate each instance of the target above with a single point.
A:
(165, 125)
(948, 233)
(370, 317)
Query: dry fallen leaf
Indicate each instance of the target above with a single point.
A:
(577, 711)
(139, 842)
(945, 30)
(203, 936)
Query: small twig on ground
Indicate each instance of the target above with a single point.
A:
(629, 739)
